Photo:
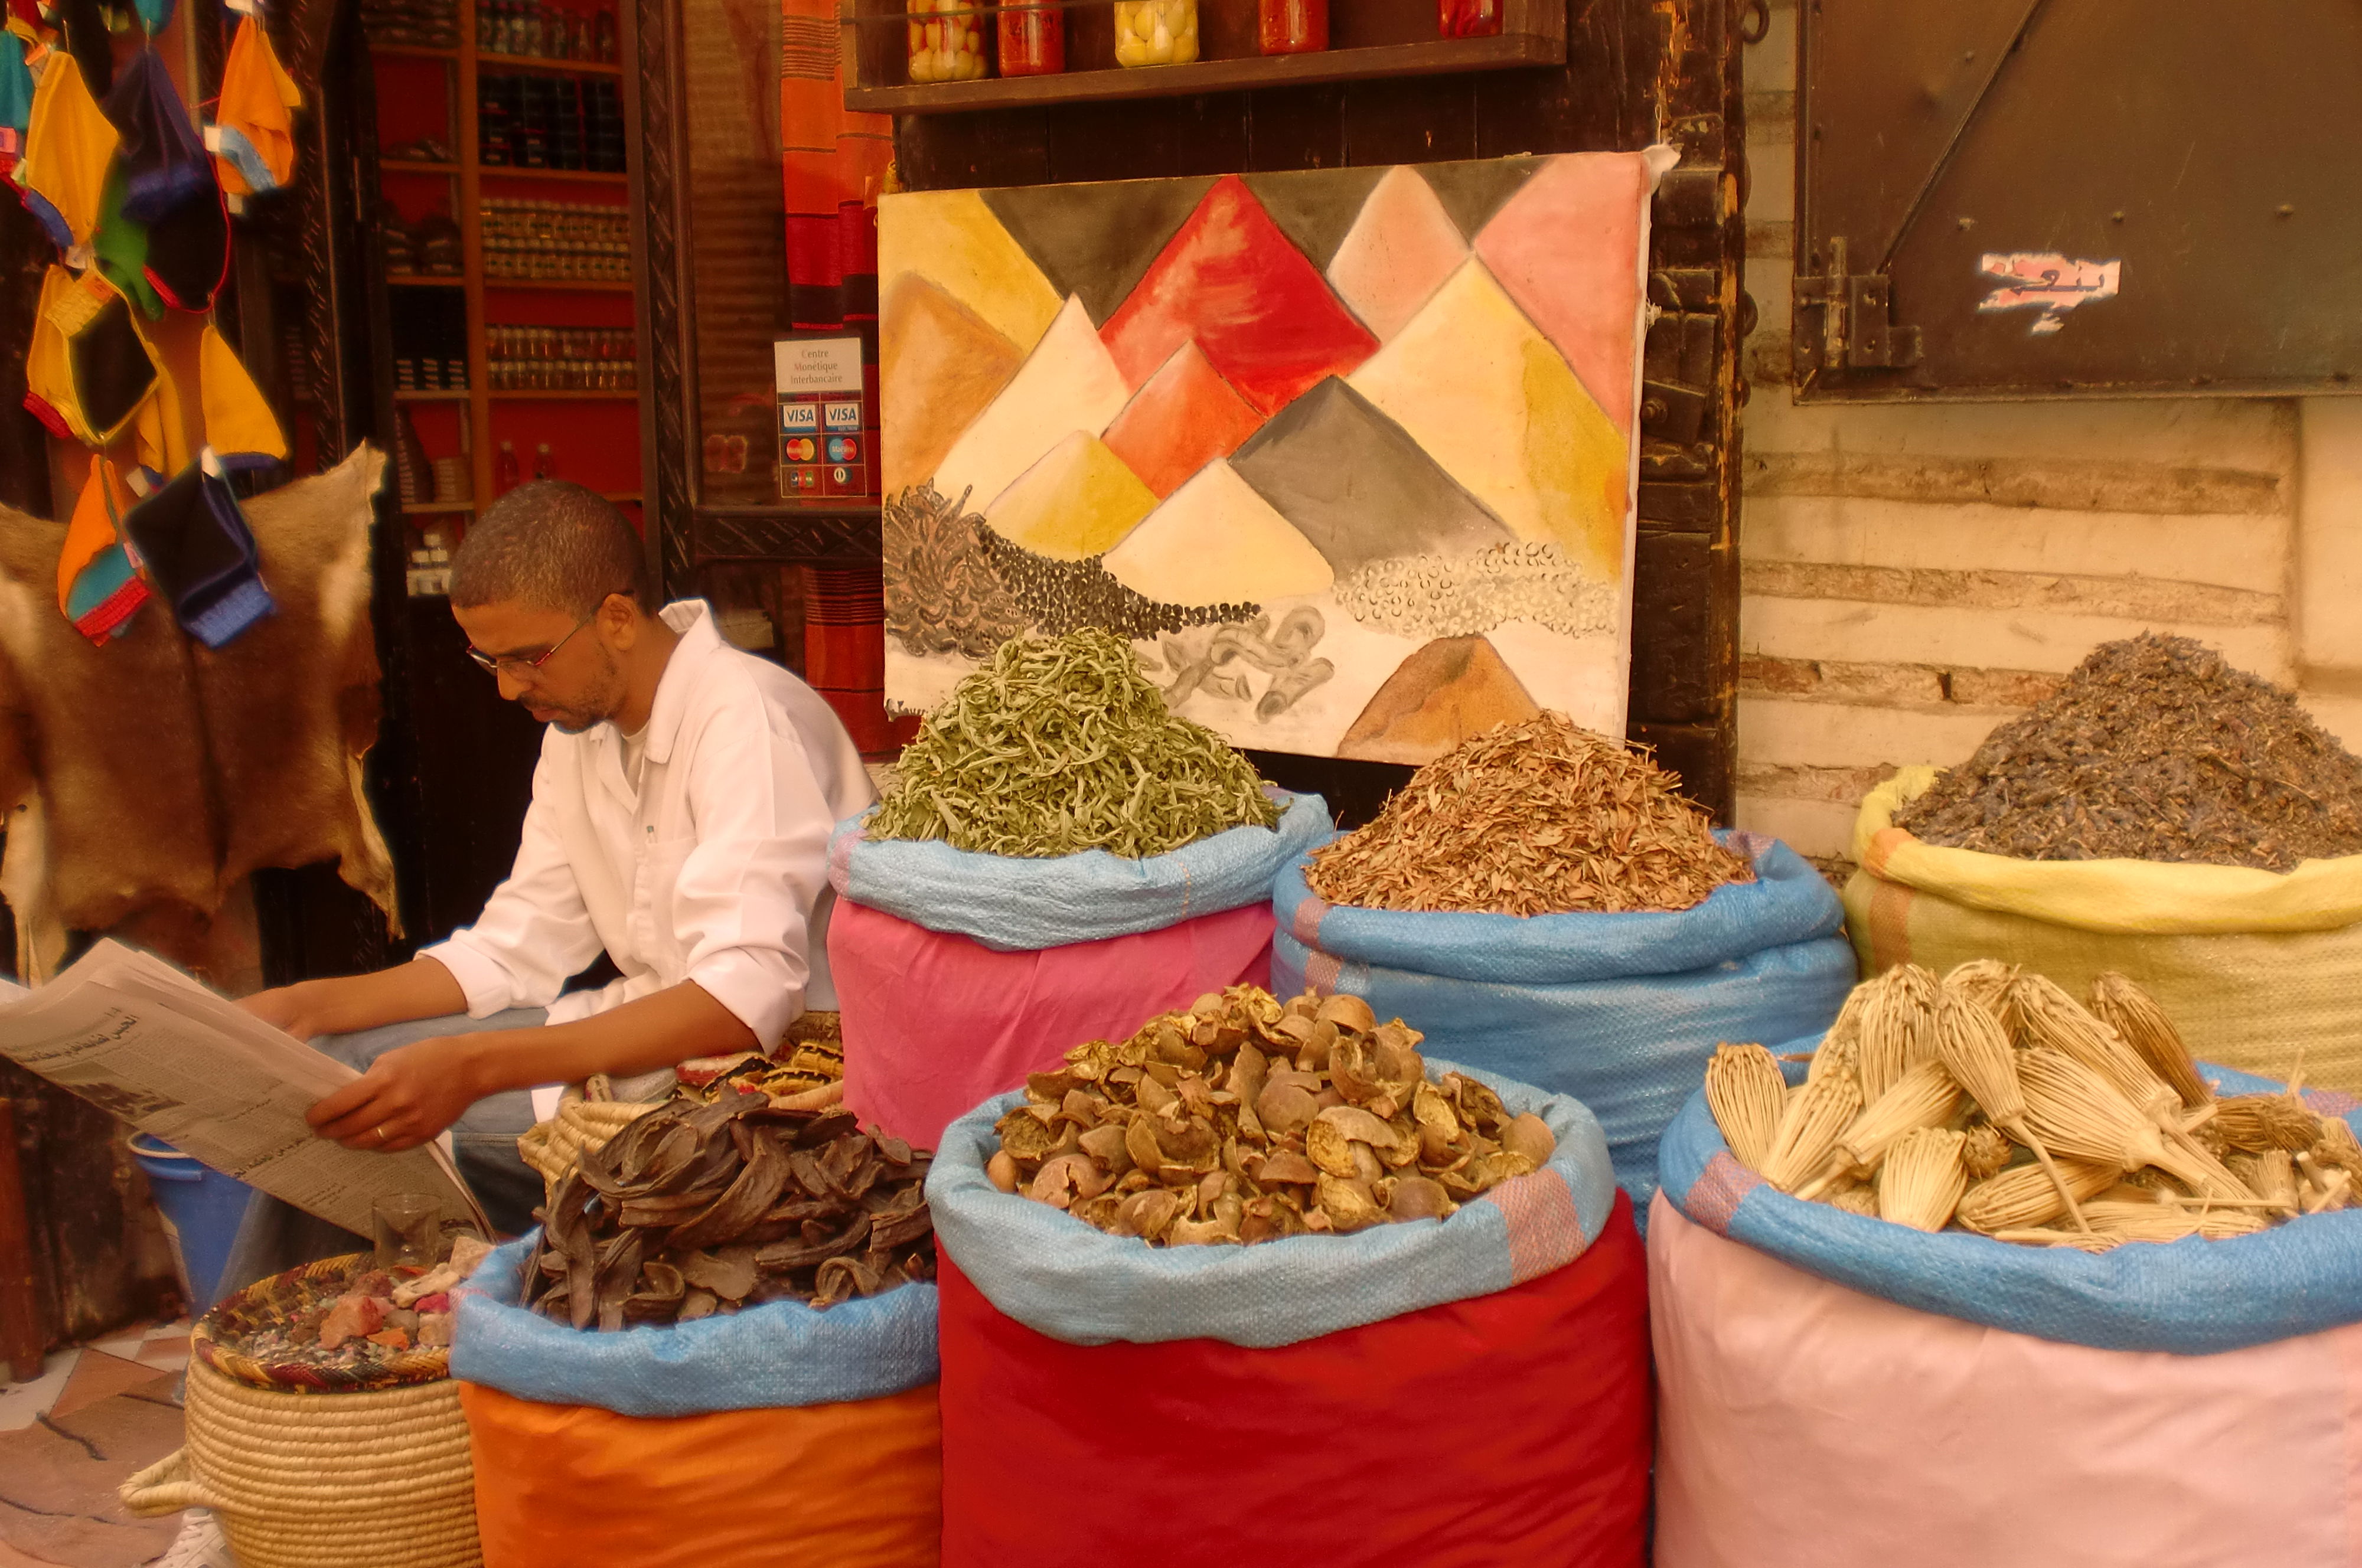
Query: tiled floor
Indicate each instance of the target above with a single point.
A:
(73, 1378)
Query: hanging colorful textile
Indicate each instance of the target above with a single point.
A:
(68, 145)
(164, 164)
(253, 133)
(15, 102)
(194, 542)
(99, 586)
(119, 247)
(89, 369)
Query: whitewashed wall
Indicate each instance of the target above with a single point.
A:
(1913, 576)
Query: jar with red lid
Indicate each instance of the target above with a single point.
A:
(1292, 27)
(1032, 40)
(1468, 19)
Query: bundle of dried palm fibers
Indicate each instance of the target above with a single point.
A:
(1922, 1179)
(1746, 1094)
(1895, 1028)
(1984, 981)
(2020, 1138)
(1970, 1046)
(2134, 1015)
(1061, 745)
(1538, 818)
(2153, 749)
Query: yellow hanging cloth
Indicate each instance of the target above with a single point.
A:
(239, 422)
(252, 137)
(68, 145)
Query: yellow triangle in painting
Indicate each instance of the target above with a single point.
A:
(1215, 541)
(1078, 502)
(952, 239)
(1487, 396)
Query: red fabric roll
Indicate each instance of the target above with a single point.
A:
(1510, 1429)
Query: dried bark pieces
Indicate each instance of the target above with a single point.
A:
(1538, 818)
(1241, 1120)
(701, 1208)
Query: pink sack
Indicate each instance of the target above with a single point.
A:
(1804, 1425)
(935, 1024)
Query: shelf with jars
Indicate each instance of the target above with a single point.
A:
(506, 238)
(911, 57)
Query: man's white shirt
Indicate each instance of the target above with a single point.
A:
(714, 869)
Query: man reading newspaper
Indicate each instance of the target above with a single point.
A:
(679, 823)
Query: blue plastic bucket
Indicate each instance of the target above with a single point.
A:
(202, 1208)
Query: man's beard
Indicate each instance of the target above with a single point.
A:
(596, 707)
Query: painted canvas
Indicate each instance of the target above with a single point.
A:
(1347, 454)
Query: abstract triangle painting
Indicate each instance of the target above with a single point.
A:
(1348, 454)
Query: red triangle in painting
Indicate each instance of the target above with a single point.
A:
(1183, 419)
(1230, 281)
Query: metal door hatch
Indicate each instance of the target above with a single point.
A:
(2031, 198)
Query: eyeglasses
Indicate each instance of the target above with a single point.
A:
(518, 667)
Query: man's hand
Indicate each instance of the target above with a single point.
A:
(409, 1095)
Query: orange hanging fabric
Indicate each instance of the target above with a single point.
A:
(99, 586)
(253, 134)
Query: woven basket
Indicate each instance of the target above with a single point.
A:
(309, 1467)
(268, 1300)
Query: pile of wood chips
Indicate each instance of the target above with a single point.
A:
(697, 1208)
(1241, 1120)
(1542, 817)
(1995, 1102)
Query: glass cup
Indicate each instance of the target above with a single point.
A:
(409, 1228)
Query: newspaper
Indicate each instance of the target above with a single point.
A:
(134, 1035)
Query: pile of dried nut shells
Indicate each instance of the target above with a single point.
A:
(1243, 1121)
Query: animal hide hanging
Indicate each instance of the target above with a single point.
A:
(154, 770)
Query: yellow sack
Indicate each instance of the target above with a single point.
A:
(2260, 970)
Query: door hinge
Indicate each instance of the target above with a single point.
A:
(1855, 327)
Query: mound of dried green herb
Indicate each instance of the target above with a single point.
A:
(2155, 748)
(1061, 745)
(1543, 817)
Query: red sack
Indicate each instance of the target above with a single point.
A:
(935, 1024)
(1510, 1429)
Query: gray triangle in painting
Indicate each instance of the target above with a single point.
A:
(1473, 191)
(1096, 239)
(1354, 482)
(1315, 207)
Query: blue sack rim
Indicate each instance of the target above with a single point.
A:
(781, 1354)
(1073, 1282)
(1789, 902)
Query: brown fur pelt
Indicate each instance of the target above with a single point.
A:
(157, 771)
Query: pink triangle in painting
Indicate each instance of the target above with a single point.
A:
(1566, 247)
(1260, 312)
(1183, 419)
(1402, 246)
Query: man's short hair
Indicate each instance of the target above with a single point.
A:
(552, 545)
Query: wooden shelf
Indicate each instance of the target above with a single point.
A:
(424, 281)
(429, 508)
(1370, 39)
(411, 52)
(571, 176)
(537, 62)
(404, 394)
(414, 166)
(571, 285)
(504, 395)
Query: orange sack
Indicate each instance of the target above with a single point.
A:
(852, 1484)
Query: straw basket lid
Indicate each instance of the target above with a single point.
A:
(269, 1302)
